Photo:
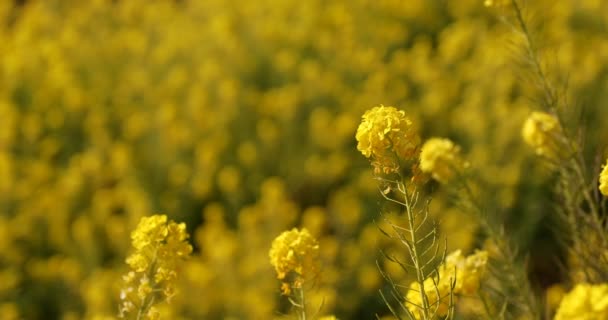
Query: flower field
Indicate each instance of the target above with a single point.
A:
(282, 159)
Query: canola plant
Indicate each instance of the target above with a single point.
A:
(277, 159)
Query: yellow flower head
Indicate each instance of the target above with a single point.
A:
(294, 255)
(469, 270)
(542, 132)
(441, 158)
(154, 238)
(160, 245)
(149, 230)
(584, 302)
(466, 271)
(387, 136)
(604, 180)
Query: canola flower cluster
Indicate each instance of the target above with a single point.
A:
(543, 132)
(458, 275)
(388, 137)
(238, 118)
(461, 273)
(294, 256)
(441, 158)
(584, 302)
(160, 247)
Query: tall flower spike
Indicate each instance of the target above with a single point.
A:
(441, 158)
(387, 136)
(543, 132)
(160, 246)
(604, 180)
(294, 255)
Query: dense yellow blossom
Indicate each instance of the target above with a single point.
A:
(150, 231)
(469, 270)
(114, 109)
(387, 136)
(604, 180)
(542, 131)
(294, 255)
(584, 302)
(160, 246)
(441, 158)
(463, 273)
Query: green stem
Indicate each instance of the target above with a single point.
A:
(505, 250)
(550, 98)
(416, 259)
(576, 163)
(579, 168)
(301, 304)
(148, 301)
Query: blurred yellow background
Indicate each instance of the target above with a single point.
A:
(238, 118)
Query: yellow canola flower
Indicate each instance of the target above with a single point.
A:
(151, 230)
(388, 136)
(469, 270)
(441, 158)
(584, 302)
(542, 132)
(160, 246)
(604, 180)
(294, 255)
(554, 295)
(158, 241)
(465, 271)
(495, 3)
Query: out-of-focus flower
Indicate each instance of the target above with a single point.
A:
(542, 132)
(387, 136)
(604, 180)
(9, 311)
(294, 255)
(441, 158)
(438, 295)
(463, 273)
(584, 302)
(469, 270)
(554, 295)
(160, 246)
(495, 3)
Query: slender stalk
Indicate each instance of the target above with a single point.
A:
(504, 248)
(145, 307)
(148, 301)
(301, 304)
(550, 98)
(415, 257)
(587, 207)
